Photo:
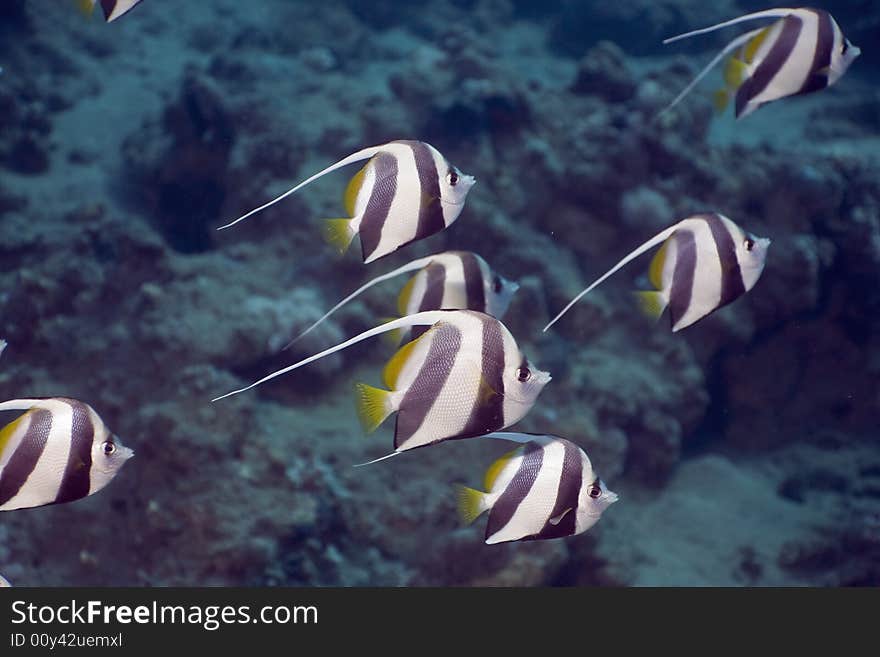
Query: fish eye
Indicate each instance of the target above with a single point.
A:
(594, 491)
(108, 448)
(749, 244)
(523, 374)
(497, 284)
(452, 177)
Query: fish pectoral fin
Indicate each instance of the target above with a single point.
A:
(428, 199)
(471, 503)
(557, 519)
(825, 70)
(374, 405)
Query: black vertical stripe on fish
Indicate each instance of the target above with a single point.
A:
(26, 456)
(430, 211)
(379, 204)
(473, 282)
(432, 299)
(487, 414)
(732, 285)
(822, 55)
(508, 502)
(683, 274)
(76, 481)
(779, 53)
(429, 382)
(107, 6)
(567, 496)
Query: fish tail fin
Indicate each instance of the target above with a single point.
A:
(338, 233)
(374, 405)
(652, 303)
(471, 503)
(720, 100)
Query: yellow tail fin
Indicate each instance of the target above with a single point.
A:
(720, 100)
(471, 503)
(652, 303)
(338, 233)
(373, 406)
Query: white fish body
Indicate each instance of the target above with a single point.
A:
(58, 451)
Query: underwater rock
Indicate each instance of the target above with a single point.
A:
(603, 72)
(182, 162)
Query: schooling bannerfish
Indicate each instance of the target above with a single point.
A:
(546, 488)
(706, 262)
(406, 192)
(803, 52)
(58, 451)
(463, 378)
(453, 280)
(112, 9)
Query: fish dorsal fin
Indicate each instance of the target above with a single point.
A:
(364, 154)
(392, 370)
(496, 468)
(752, 46)
(349, 199)
(655, 272)
(733, 45)
(632, 255)
(408, 267)
(557, 519)
(779, 12)
(426, 318)
(405, 295)
(7, 431)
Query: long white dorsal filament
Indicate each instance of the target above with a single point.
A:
(426, 318)
(650, 244)
(410, 266)
(351, 159)
(778, 12)
(733, 45)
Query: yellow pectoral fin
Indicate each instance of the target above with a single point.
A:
(496, 468)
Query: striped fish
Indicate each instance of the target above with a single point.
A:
(453, 280)
(802, 52)
(706, 262)
(58, 451)
(546, 488)
(463, 378)
(112, 9)
(405, 192)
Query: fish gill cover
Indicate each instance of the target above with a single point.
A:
(744, 448)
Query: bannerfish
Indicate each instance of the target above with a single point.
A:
(546, 488)
(58, 451)
(112, 9)
(464, 377)
(802, 52)
(706, 262)
(453, 280)
(405, 192)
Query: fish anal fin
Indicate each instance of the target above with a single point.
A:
(338, 234)
(373, 406)
(471, 503)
